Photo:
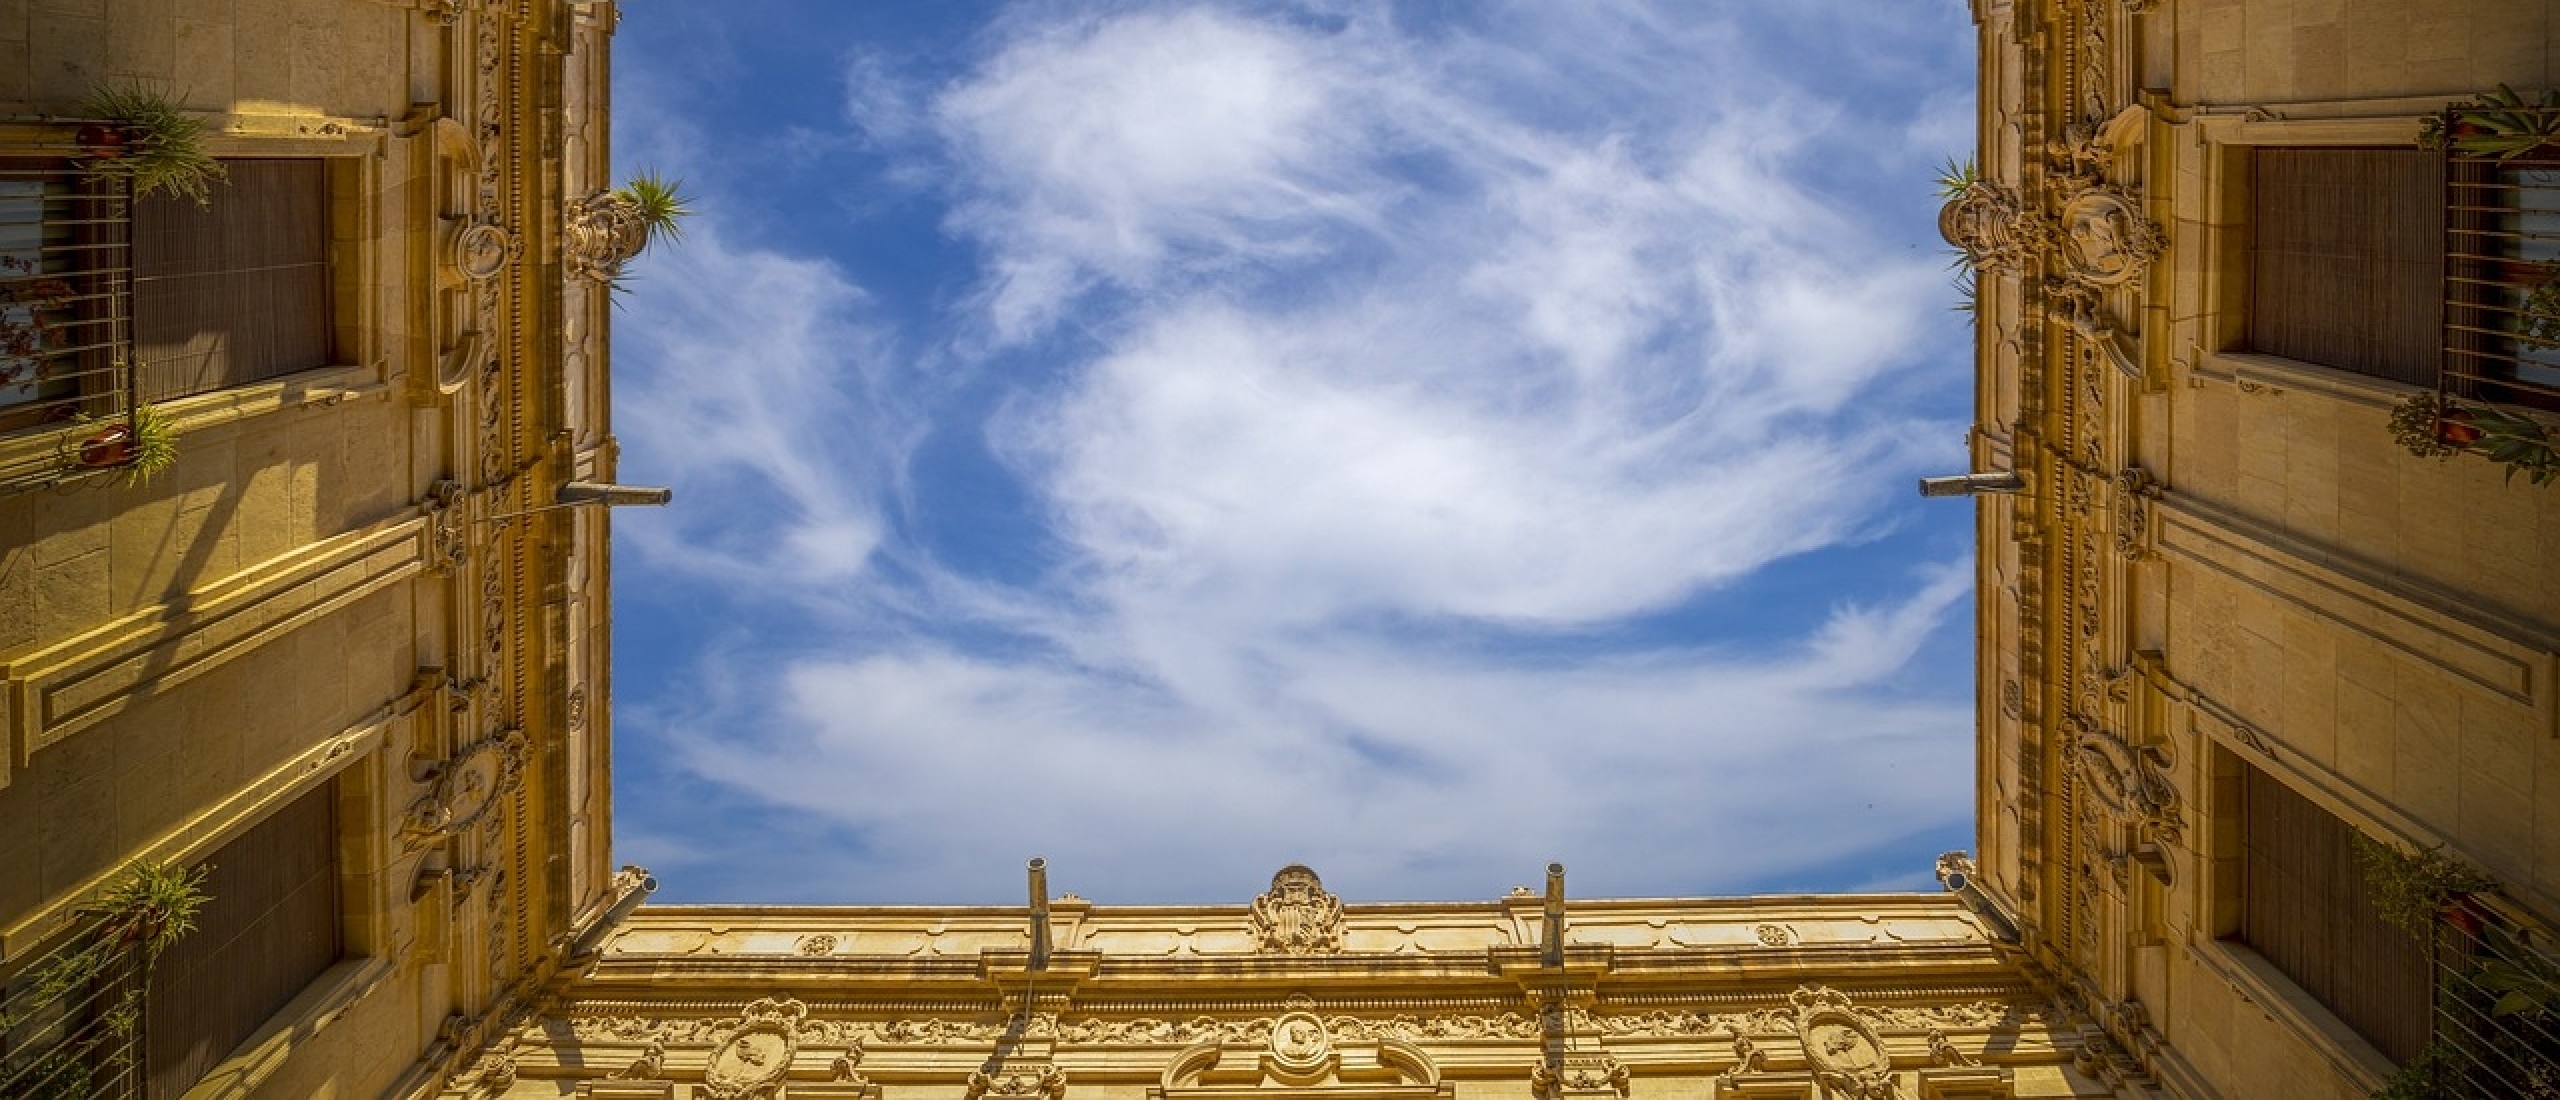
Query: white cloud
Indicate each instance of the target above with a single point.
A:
(1490, 339)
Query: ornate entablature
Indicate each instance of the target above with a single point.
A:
(1875, 993)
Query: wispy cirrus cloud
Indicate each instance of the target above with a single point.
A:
(1363, 395)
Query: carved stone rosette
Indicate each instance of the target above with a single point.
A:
(1296, 916)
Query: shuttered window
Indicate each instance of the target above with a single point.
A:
(2347, 259)
(270, 926)
(2309, 911)
(236, 290)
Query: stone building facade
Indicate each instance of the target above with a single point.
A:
(341, 650)
(2243, 649)
(1300, 994)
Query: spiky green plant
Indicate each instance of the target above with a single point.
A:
(155, 445)
(163, 147)
(661, 202)
(2503, 126)
(1957, 177)
(157, 903)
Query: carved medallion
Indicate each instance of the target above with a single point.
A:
(1296, 916)
(2105, 241)
(1299, 1043)
(599, 234)
(751, 1062)
(480, 252)
(468, 785)
(1846, 1054)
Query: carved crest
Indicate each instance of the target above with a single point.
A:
(1846, 1054)
(751, 1062)
(1299, 1043)
(1296, 916)
(1044, 1081)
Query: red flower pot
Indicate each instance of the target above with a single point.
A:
(99, 141)
(112, 447)
(2455, 430)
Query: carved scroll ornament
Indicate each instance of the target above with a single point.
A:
(467, 786)
(1846, 1054)
(751, 1062)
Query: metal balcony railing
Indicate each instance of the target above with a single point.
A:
(2497, 1021)
(2502, 255)
(71, 1020)
(66, 298)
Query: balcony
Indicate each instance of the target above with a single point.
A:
(2502, 256)
(66, 270)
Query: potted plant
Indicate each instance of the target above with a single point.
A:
(2411, 889)
(2499, 125)
(660, 203)
(146, 139)
(2430, 426)
(144, 445)
(2538, 320)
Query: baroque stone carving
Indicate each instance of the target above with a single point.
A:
(1299, 1043)
(820, 944)
(599, 234)
(1774, 935)
(1045, 1081)
(1296, 916)
(1943, 1051)
(1993, 228)
(1587, 1075)
(751, 1062)
(448, 530)
(649, 1066)
(2130, 782)
(467, 786)
(1847, 1055)
(2135, 490)
(2106, 241)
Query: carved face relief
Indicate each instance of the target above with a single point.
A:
(1298, 1041)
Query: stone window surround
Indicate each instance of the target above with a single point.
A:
(356, 147)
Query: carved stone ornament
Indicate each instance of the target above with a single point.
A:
(599, 234)
(448, 530)
(1994, 230)
(1580, 1075)
(649, 1066)
(2135, 490)
(1047, 1082)
(2105, 241)
(481, 251)
(751, 1062)
(1299, 1043)
(820, 944)
(466, 786)
(2131, 783)
(1774, 935)
(1296, 916)
(1846, 1054)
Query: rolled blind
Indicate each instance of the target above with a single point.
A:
(270, 926)
(237, 290)
(2347, 259)
(2310, 912)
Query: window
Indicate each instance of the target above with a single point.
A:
(2306, 909)
(269, 927)
(2346, 259)
(237, 290)
(63, 259)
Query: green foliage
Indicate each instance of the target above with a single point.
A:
(157, 146)
(2429, 426)
(2538, 325)
(661, 202)
(1957, 177)
(2409, 888)
(2419, 1079)
(2526, 984)
(142, 914)
(155, 445)
(2502, 125)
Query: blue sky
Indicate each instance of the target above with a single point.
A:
(1179, 439)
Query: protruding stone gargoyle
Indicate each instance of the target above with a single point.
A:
(1303, 1056)
(1296, 916)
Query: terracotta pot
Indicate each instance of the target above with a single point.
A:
(2455, 430)
(112, 447)
(2460, 917)
(99, 141)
